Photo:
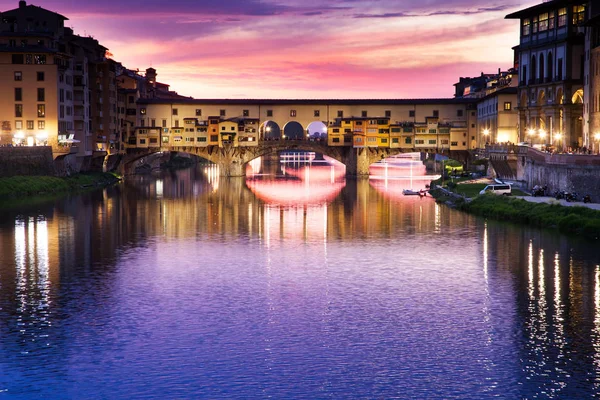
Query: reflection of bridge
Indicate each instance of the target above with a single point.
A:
(232, 160)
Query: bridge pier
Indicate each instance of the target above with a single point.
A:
(232, 168)
(357, 162)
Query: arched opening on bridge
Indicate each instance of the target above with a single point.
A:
(293, 131)
(270, 130)
(317, 130)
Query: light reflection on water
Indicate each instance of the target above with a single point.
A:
(187, 285)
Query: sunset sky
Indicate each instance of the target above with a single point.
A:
(301, 48)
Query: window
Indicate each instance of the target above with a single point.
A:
(562, 17)
(335, 140)
(142, 123)
(164, 123)
(29, 124)
(143, 111)
(408, 140)
(246, 113)
(459, 113)
(507, 106)
(551, 20)
(526, 27)
(335, 130)
(214, 138)
(18, 76)
(39, 59)
(292, 113)
(363, 113)
(153, 122)
(61, 111)
(411, 113)
(176, 123)
(18, 94)
(559, 63)
(453, 143)
(472, 125)
(419, 141)
(41, 124)
(269, 113)
(578, 15)
(317, 113)
(198, 112)
(436, 113)
(18, 110)
(340, 114)
(41, 76)
(222, 113)
(534, 25)
(543, 23)
(41, 94)
(388, 113)
(18, 59)
(18, 125)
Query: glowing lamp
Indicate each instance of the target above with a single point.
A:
(597, 136)
(542, 133)
(558, 136)
(531, 131)
(486, 132)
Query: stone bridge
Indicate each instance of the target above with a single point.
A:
(232, 160)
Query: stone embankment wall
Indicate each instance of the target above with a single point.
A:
(579, 173)
(26, 161)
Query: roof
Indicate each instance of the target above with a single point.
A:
(547, 6)
(310, 101)
(594, 21)
(30, 8)
(506, 90)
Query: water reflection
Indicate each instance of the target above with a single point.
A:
(291, 283)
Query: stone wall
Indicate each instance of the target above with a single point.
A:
(26, 161)
(577, 173)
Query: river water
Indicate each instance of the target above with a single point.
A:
(293, 283)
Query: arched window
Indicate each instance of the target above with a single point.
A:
(542, 66)
(533, 69)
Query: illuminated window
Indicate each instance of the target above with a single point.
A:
(562, 17)
(18, 125)
(578, 15)
(507, 106)
(534, 25)
(18, 76)
(18, 110)
(551, 21)
(41, 124)
(292, 113)
(543, 24)
(29, 124)
(526, 26)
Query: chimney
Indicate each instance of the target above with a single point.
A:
(22, 4)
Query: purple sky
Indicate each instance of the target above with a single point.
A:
(302, 49)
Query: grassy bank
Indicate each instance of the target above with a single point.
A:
(580, 221)
(25, 186)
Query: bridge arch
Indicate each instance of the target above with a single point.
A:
(293, 131)
(269, 130)
(317, 130)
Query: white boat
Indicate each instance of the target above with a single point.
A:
(409, 192)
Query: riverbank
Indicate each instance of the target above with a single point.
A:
(18, 187)
(573, 220)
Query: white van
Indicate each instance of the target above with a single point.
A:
(505, 190)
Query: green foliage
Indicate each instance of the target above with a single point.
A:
(452, 163)
(22, 186)
(571, 220)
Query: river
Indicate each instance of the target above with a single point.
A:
(291, 283)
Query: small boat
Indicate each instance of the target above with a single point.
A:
(409, 192)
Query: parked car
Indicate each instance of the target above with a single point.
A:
(505, 190)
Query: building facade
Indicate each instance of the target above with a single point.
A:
(552, 60)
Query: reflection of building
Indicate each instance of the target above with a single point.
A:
(551, 57)
(592, 96)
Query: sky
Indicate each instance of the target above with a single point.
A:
(301, 49)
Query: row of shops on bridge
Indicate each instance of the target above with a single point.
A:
(357, 132)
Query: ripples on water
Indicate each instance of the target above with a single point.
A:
(183, 285)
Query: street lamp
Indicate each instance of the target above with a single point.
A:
(558, 137)
(531, 133)
(486, 133)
